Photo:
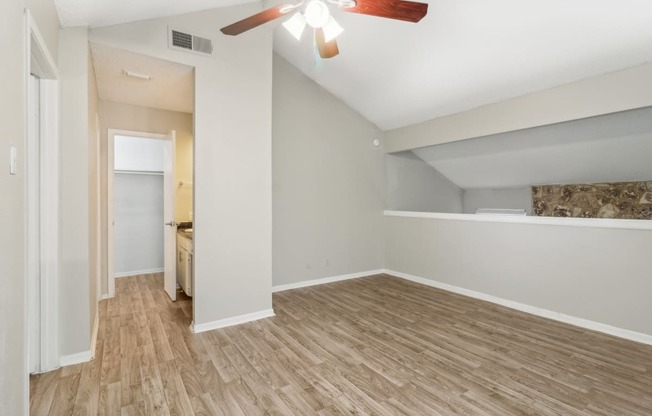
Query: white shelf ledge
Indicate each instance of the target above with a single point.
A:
(562, 221)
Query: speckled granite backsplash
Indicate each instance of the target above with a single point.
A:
(626, 200)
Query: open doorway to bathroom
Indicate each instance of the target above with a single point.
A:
(146, 128)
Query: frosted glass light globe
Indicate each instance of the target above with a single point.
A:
(317, 14)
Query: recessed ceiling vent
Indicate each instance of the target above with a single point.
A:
(189, 43)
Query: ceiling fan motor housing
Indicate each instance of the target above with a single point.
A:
(317, 13)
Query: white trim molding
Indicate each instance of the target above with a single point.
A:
(138, 272)
(236, 320)
(78, 358)
(96, 329)
(332, 279)
(545, 313)
(110, 234)
(519, 219)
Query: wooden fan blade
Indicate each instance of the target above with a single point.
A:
(409, 11)
(326, 49)
(257, 19)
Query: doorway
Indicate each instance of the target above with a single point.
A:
(144, 98)
(141, 207)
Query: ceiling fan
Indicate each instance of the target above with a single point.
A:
(316, 15)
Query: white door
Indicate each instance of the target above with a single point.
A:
(33, 227)
(170, 229)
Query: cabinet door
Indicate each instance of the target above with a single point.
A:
(181, 265)
(187, 285)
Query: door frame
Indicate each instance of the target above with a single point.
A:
(110, 216)
(39, 60)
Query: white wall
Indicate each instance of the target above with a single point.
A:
(414, 185)
(12, 218)
(149, 120)
(597, 274)
(74, 299)
(617, 91)
(511, 198)
(233, 272)
(328, 183)
(45, 14)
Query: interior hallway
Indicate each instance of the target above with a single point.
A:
(376, 346)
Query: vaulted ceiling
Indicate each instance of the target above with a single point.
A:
(97, 13)
(609, 148)
(463, 54)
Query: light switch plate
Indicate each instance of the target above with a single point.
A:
(13, 160)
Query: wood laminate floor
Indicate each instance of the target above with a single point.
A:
(372, 346)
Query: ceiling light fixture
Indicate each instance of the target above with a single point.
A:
(136, 75)
(332, 29)
(344, 4)
(295, 25)
(317, 16)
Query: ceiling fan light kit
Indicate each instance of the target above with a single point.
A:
(332, 29)
(295, 25)
(317, 15)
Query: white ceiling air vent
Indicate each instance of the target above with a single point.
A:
(190, 43)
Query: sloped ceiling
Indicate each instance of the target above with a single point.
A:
(463, 54)
(171, 86)
(97, 13)
(611, 148)
(469, 53)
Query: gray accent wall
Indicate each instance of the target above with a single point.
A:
(328, 183)
(414, 185)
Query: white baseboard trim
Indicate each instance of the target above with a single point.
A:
(96, 328)
(236, 320)
(80, 357)
(545, 313)
(137, 272)
(315, 282)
